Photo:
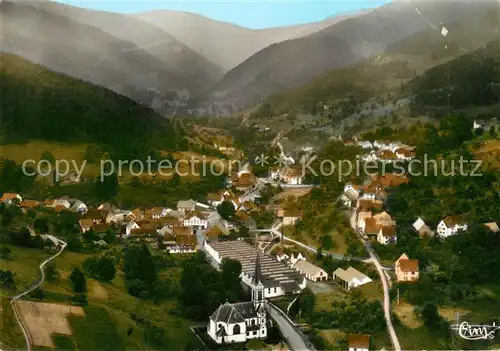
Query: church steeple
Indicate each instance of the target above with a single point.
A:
(257, 284)
(257, 277)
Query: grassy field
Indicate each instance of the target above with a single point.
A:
(23, 263)
(68, 151)
(107, 323)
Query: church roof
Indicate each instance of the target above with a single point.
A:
(228, 313)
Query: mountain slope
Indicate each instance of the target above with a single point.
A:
(225, 43)
(40, 104)
(364, 36)
(471, 79)
(70, 40)
(386, 73)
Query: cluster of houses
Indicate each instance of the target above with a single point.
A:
(383, 150)
(288, 175)
(368, 200)
(178, 230)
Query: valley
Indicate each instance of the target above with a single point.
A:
(169, 181)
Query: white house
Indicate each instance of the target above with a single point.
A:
(294, 259)
(130, 226)
(350, 278)
(479, 124)
(382, 144)
(60, 203)
(387, 235)
(451, 225)
(292, 176)
(422, 228)
(242, 321)
(364, 144)
(10, 198)
(186, 206)
(358, 342)
(79, 207)
(310, 271)
(196, 220)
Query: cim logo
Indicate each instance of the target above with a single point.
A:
(476, 332)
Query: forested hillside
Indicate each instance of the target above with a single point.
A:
(472, 79)
(39, 104)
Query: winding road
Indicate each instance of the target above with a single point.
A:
(385, 285)
(35, 285)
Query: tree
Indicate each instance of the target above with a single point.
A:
(7, 279)
(108, 187)
(326, 242)
(41, 225)
(226, 210)
(430, 314)
(230, 274)
(78, 281)
(5, 253)
(51, 272)
(107, 269)
(492, 132)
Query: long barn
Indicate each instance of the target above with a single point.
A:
(278, 279)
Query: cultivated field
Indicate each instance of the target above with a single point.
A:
(44, 319)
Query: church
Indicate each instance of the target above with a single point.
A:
(241, 321)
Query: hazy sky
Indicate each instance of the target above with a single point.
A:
(251, 14)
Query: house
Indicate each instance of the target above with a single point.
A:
(95, 215)
(294, 259)
(57, 203)
(370, 228)
(214, 233)
(156, 212)
(186, 206)
(493, 226)
(180, 241)
(451, 225)
(289, 217)
(79, 207)
(382, 144)
(129, 227)
(350, 278)
(479, 124)
(281, 256)
(244, 181)
(241, 321)
(406, 269)
(384, 219)
(387, 235)
(386, 156)
(310, 271)
(196, 220)
(422, 228)
(362, 216)
(246, 220)
(274, 173)
(29, 204)
(11, 198)
(224, 144)
(358, 342)
(364, 144)
(292, 176)
(143, 234)
(215, 199)
(85, 224)
(404, 154)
